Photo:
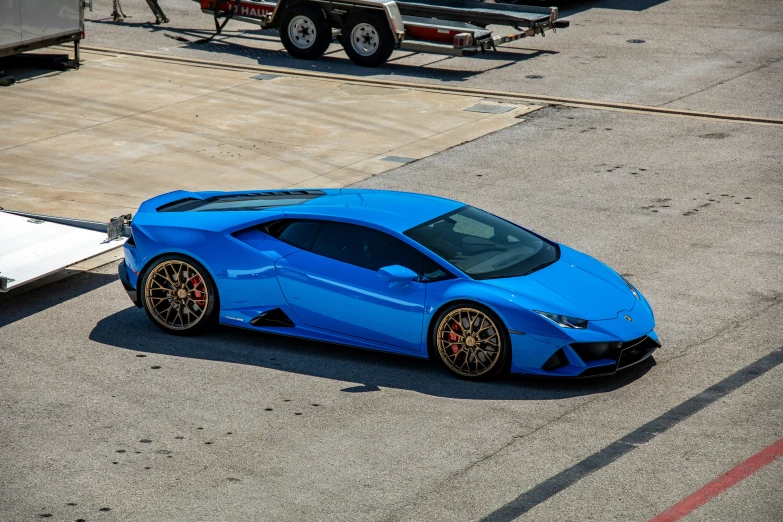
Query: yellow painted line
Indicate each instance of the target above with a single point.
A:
(461, 91)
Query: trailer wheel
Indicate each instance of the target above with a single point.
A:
(305, 31)
(367, 38)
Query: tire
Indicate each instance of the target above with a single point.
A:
(487, 355)
(305, 31)
(367, 39)
(179, 296)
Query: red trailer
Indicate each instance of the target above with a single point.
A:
(370, 30)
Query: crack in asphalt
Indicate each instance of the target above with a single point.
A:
(721, 82)
(394, 515)
(732, 326)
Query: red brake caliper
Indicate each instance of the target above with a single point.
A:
(453, 337)
(197, 283)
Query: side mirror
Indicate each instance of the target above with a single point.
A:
(397, 274)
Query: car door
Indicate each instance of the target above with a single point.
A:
(334, 285)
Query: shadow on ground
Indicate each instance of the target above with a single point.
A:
(240, 43)
(570, 7)
(130, 329)
(16, 305)
(30, 66)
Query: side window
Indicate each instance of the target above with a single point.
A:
(432, 272)
(300, 234)
(365, 247)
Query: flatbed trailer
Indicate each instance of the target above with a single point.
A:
(370, 30)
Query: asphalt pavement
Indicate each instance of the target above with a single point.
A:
(107, 418)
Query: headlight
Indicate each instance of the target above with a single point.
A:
(632, 288)
(564, 321)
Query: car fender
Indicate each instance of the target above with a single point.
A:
(505, 303)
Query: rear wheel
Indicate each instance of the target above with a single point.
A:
(180, 296)
(367, 39)
(305, 31)
(471, 341)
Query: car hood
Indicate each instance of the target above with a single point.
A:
(576, 284)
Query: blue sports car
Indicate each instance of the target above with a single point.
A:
(405, 273)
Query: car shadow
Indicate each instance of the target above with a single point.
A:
(130, 329)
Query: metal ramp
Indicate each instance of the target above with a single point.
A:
(34, 246)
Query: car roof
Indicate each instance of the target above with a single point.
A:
(397, 211)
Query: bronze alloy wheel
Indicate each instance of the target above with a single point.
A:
(176, 295)
(469, 342)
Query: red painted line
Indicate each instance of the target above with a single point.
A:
(729, 479)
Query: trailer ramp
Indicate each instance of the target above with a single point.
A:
(34, 246)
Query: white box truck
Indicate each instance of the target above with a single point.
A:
(26, 25)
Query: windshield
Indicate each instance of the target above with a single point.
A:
(485, 246)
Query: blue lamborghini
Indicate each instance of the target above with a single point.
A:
(405, 273)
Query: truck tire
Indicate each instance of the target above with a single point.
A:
(305, 31)
(367, 38)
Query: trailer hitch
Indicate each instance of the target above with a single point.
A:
(229, 14)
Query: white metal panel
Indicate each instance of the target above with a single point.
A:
(30, 249)
(43, 18)
(10, 23)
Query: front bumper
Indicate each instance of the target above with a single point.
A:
(535, 355)
(603, 348)
(126, 284)
(608, 358)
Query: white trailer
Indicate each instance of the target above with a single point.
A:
(33, 246)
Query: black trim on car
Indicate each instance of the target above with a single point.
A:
(132, 293)
(188, 204)
(273, 317)
(624, 354)
(173, 206)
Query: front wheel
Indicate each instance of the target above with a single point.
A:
(180, 296)
(472, 341)
(367, 39)
(305, 31)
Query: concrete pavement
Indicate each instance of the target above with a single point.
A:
(96, 142)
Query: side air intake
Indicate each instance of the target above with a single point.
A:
(273, 317)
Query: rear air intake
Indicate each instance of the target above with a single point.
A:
(175, 205)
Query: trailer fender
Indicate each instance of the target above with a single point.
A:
(389, 7)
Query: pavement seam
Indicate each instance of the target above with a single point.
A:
(419, 141)
(2, 191)
(554, 100)
(66, 188)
